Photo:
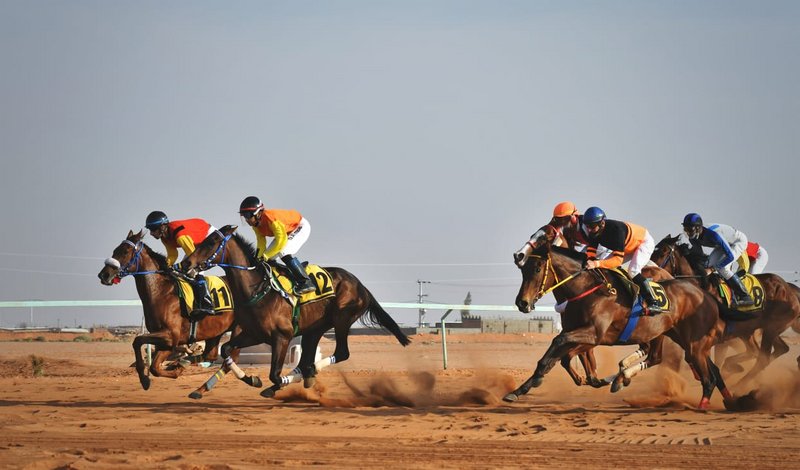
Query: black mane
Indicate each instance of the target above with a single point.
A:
(160, 259)
(248, 249)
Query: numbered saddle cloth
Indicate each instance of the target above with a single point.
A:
(754, 288)
(660, 294)
(322, 280)
(220, 293)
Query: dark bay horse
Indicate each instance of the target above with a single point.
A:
(157, 289)
(781, 305)
(598, 316)
(265, 315)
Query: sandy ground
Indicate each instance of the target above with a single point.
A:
(386, 406)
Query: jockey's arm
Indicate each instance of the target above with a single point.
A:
(185, 242)
(279, 230)
(172, 254)
(614, 260)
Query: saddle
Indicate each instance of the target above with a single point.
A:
(753, 286)
(633, 289)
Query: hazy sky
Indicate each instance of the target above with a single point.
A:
(412, 135)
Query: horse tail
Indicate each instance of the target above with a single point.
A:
(376, 315)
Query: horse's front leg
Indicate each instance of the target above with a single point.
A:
(160, 340)
(280, 344)
(229, 351)
(560, 346)
(309, 343)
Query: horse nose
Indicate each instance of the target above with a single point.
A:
(522, 305)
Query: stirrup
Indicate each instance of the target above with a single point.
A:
(304, 288)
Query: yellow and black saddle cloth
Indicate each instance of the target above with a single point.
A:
(221, 296)
(280, 281)
(660, 294)
(638, 309)
(754, 288)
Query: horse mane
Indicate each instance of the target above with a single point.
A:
(160, 259)
(249, 250)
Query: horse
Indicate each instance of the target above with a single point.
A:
(599, 310)
(781, 305)
(266, 316)
(158, 291)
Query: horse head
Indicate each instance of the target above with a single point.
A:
(533, 260)
(210, 252)
(124, 260)
(671, 258)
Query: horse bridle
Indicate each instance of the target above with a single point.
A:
(549, 268)
(669, 259)
(207, 264)
(123, 271)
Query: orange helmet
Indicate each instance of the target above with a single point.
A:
(564, 209)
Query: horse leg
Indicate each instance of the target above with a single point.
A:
(279, 344)
(342, 351)
(158, 339)
(590, 367)
(306, 365)
(230, 349)
(652, 354)
(210, 352)
(157, 367)
(566, 363)
(560, 345)
(767, 339)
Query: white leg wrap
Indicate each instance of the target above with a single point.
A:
(325, 362)
(293, 377)
(631, 371)
(628, 360)
(229, 365)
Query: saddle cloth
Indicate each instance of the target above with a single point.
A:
(220, 293)
(320, 277)
(754, 288)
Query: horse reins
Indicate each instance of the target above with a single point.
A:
(207, 264)
(135, 260)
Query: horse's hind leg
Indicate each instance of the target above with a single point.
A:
(560, 346)
(160, 340)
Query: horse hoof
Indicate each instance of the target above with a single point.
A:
(256, 382)
(268, 392)
(145, 380)
(617, 385)
(309, 382)
(195, 395)
(703, 406)
(511, 398)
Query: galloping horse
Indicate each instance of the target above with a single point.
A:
(594, 316)
(781, 305)
(265, 315)
(158, 290)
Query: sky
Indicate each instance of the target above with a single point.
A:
(422, 140)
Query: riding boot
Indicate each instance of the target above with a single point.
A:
(302, 282)
(741, 297)
(202, 299)
(646, 291)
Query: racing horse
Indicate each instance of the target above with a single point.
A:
(781, 306)
(157, 287)
(599, 310)
(266, 315)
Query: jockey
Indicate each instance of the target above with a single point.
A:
(566, 221)
(183, 234)
(728, 245)
(626, 242)
(758, 258)
(290, 231)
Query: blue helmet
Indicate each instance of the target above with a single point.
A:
(156, 219)
(692, 220)
(593, 215)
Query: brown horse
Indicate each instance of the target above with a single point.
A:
(158, 289)
(781, 305)
(599, 311)
(266, 316)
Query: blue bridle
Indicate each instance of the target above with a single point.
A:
(134, 262)
(207, 264)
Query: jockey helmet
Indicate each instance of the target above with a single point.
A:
(250, 206)
(692, 220)
(693, 225)
(593, 215)
(564, 209)
(156, 219)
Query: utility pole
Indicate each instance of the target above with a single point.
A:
(420, 296)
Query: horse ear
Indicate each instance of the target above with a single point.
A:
(234, 227)
(130, 234)
(228, 229)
